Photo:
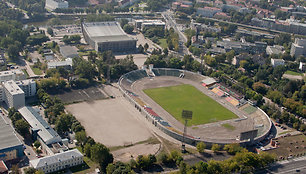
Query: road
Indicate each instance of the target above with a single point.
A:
(167, 15)
(285, 167)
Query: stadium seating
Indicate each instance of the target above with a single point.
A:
(136, 75)
(156, 72)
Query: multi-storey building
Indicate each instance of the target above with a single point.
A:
(298, 48)
(13, 94)
(58, 161)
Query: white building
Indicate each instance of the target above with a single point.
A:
(298, 48)
(28, 86)
(277, 62)
(142, 24)
(54, 4)
(302, 66)
(44, 131)
(67, 64)
(13, 94)
(58, 161)
(12, 75)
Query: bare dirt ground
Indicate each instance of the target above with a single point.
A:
(110, 122)
(79, 95)
(139, 59)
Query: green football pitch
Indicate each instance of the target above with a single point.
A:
(176, 98)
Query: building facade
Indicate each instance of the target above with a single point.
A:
(104, 36)
(14, 95)
(58, 161)
(12, 75)
(298, 48)
(10, 146)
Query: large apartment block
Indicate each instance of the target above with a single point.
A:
(14, 88)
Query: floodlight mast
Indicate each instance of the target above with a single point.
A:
(187, 115)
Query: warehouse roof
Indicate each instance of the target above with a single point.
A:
(7, 135)
(59, 157)
(105, 31)
(46, 133)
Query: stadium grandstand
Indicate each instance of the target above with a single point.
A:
(133, 83)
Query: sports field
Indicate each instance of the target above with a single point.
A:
(176, 98)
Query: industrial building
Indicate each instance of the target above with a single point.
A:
(10, 146)
(144, 24)
(54, 4)
(40, 129)
(104, 36)
(58, 161)
(67, 64)
(69, 51)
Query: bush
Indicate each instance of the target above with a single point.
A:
(201, 147)
(215, 147)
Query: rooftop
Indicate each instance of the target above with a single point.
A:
(59, 157)
(7, 135)
(105, 31)
(45, 132)
(10, 72)
(55, 64)
(69, 51)
(12, 87)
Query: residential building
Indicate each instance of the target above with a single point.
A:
(202, 27)
(14, 96)
(277, 62)
(275, 49)
(10, 146)
(208, 11)
(298, 48)
(40, 129)
(58, 161)
(28, 87)
(15, 75)
(54, 4)
(144, 24)
(67, 64)
(104, 36)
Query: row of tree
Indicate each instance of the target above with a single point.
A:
(20, 125)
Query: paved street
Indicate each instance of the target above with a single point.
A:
(297, 165)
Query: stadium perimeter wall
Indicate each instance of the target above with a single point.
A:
(187, 139)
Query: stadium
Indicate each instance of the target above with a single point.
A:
(220, 115)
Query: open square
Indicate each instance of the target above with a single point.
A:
(174, 99)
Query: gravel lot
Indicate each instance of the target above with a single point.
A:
(113, 122)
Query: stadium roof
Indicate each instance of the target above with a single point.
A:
(105, 31)
(59, 157)
(7, 135)
(46, 133)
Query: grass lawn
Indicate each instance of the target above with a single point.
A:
(25, 72)
(36, 71)
(176, 98)
(293, 73)
(163, 43)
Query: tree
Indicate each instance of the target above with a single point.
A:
(36, 144)
(101, 155)
(50, 31)
(201, 147)
(119, 167)
(30, 170)
(215, 147)
(81, 137)
(13, 52)
(260, 88)
(63, 123)
(123, 22)
(140, 49)
(146, 46)
(232, 148)
(128, 28)
(22, 127)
